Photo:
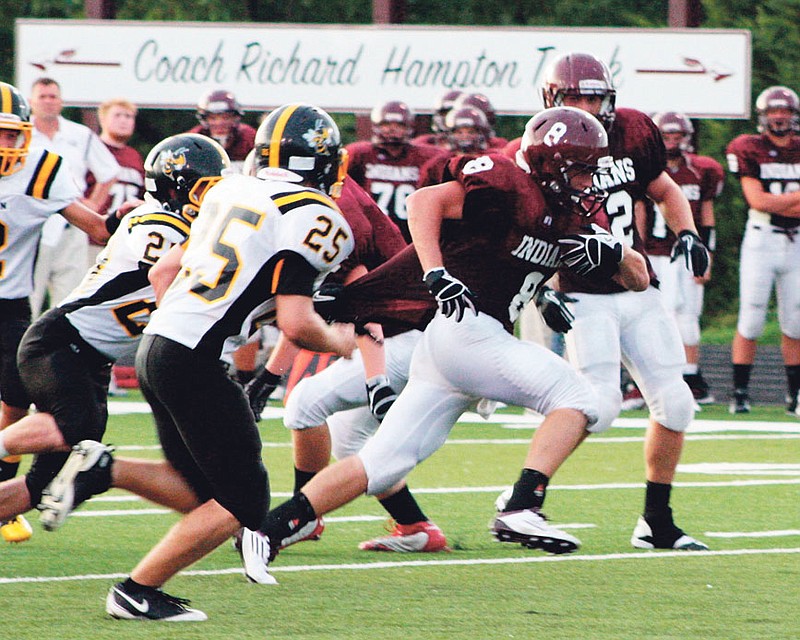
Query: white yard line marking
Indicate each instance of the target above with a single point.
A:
(372, 566)
(753, 534)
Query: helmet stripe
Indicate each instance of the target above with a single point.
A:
(277, 135)
(6, 98)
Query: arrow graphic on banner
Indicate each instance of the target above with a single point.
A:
(67, 57)
(693, 66)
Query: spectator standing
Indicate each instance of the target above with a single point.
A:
(766, 164)
(117, 119)
(63, 249)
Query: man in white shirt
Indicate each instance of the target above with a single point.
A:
(63, 249)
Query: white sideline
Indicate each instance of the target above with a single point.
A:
(371, 566)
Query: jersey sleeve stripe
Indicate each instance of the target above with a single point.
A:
(160, 219)
(276, 276)
(286, 203)
(43, 176)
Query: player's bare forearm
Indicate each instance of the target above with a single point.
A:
(633, 273)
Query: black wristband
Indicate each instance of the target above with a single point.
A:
(112, 223)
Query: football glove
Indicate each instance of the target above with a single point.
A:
(259, 389)
(381, 396)
(552, 305)
(452, 295)
(597, 254)
(326, 300)
(691, 247)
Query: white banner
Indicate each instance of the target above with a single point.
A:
(703, 73)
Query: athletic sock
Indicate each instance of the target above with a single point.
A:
(793, 379)
(656, 502)
(403, 507)
(302, 478)
(529, 491)
(741, 376)
(286, 519)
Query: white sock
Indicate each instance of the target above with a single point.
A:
(690, 369)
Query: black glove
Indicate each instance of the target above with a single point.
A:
(326, 300)
(691, 247)
(597, 254)
(381, 396)
(552, 305)
(259, 389)
(452, 295)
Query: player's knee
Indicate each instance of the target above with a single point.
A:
(301, 410)
(609, 404)
(672, 405)
(751, 323)
(689, 327)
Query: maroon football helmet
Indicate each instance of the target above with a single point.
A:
(580, 74)
(392, 112)
(217, 101)
(778, 97)
(674, 122)
(471, 117)
(479, 101)
(443, 105)
(560, 143)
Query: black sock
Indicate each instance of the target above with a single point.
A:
(131, 586)
(301, 478)
(403, 507)
(8, 470)
(741, 376)
(656, 501)
(287, 518)
(529, 491)
(793, 379)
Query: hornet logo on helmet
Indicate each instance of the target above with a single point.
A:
(172, 161)
(319, 138)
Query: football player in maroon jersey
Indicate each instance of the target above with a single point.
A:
(388, 166)
(438, 136)
(613, 325)
(220, 116)
(481, 102)
(768, 167)
(701, 179)
(483, 244)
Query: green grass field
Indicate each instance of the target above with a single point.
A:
(737, 489)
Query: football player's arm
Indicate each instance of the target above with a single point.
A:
(164, 271)
(673, 204)
(302, 325)
(783, 204)
(707, 235)
(633, 272)
(88, 220)
(427, 208)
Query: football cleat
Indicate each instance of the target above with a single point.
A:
(86, 473)
(700, 389)
(502, 500)
(667, 537)
(632, 399)
(256, 554)
(419, 537)
(149, 604)
(740, 402)
(791, 405)
(16, 530)
(309, 531)
(532, 530)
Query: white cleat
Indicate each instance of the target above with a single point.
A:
(256, 555)
(532, 530)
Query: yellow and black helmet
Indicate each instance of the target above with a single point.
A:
(301, 143)
(15, 115)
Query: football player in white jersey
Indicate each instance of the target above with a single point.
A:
(65, 357)
(34, 184)
(256, 253)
